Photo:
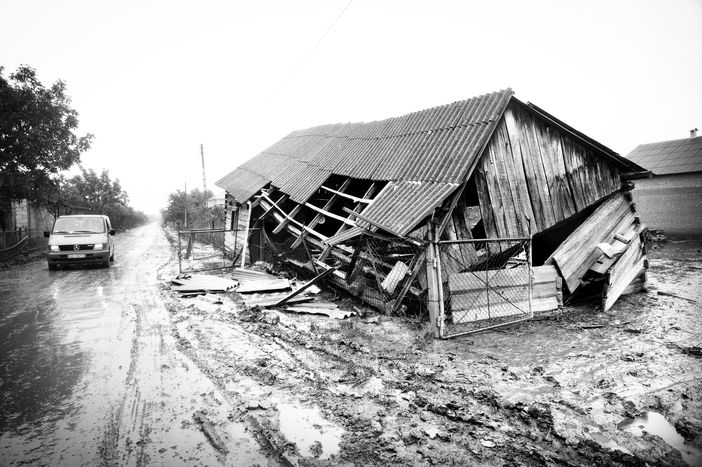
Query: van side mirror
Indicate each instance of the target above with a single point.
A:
(47, 234)
(112, 231)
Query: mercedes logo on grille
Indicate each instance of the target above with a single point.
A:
(76, 247)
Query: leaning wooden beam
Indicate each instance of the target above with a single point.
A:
(328, 214)
(418, 263)
(281, 200)
(324, 211)
(359, 206)
(290, 219)
(345, 195)
(317, 278)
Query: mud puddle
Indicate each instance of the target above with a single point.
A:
(312, 434)
(656, 424)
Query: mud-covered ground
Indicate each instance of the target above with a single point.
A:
(576, 387)
(108, 366)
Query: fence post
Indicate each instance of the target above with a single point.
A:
(180, 267)
(433, 282)
(246, 236)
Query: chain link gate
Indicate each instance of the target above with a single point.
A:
(210, 249)
(486, 283)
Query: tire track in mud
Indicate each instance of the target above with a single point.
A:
(164, 390)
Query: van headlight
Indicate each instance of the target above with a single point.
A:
(53, 247)
(98, 246)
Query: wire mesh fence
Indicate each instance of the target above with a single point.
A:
(386, 273)
(486, 283)
(15, 242)
(211, 249)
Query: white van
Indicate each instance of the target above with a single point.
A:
(81, 239)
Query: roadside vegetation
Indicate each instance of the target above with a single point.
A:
(39, 142)
(190, 210)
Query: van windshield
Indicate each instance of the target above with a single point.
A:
(79, 224)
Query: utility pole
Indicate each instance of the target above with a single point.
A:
(204, 184)
(185, 205)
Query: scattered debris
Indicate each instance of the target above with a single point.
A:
(317, 278)
(668, 294)
(198, 284)
(334, 312)
(264, 285)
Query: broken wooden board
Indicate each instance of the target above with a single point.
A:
(263, 285)
(398, 272)
(269, 300)
(630, 264)
(306, 285)
(335, 312)
(579, 251)
(613, 249)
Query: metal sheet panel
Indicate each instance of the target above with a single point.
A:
(400, 206)
(242, 184)
(345, 236)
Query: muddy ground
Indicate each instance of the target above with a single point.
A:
(574, 387)
(109, 367)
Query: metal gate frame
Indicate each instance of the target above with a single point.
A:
(501, 259)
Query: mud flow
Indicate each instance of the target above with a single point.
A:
(110, 366)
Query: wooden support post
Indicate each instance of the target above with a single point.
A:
(309, 255)
(246, 236)
(433, 281)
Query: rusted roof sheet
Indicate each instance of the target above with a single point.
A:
(401, 205)
(670, 157)
(434, 145)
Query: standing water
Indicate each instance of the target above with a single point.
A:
(656, 424)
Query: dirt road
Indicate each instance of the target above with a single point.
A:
(90, 373)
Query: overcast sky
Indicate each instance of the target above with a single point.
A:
(152, 80)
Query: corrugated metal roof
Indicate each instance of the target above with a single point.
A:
(345, 236)
(433, 145)
(670, 157)
(401, 205)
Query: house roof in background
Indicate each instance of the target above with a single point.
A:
(670, 157)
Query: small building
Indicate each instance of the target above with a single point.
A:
(478, 212)
(671, 200)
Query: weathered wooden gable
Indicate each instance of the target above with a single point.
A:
(534, 174)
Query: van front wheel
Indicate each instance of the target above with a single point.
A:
(52, 267)
(106, 263)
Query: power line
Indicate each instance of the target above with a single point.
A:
(315, 46)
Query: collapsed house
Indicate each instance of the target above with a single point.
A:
(480, 212)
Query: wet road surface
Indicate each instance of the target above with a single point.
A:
(90, 374)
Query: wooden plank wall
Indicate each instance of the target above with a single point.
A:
(533, 172)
